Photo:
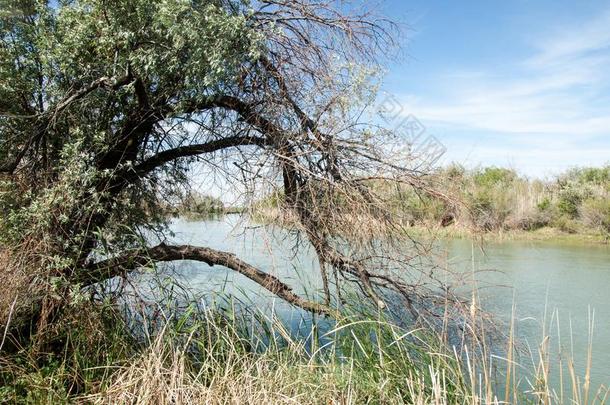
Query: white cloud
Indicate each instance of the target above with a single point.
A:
(557, 97)
(567, 43)
(554, 101)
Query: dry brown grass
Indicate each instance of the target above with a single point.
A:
(164, 373)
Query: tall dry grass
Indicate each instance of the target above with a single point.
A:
(361, 361)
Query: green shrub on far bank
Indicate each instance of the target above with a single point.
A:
(492, 176)
(198, 205)
(574, 202)
(599, 176)
(569, 201)
(596, 214)
(496, 199)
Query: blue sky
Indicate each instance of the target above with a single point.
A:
(522, 84)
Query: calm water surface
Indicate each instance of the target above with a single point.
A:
(545, 281)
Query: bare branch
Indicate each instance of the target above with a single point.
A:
(192, 150)
(164, 253)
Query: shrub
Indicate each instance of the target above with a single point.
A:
(565, 224)
(593, 175)
(201, 205)
(488, 212)
(490, 176)
(454, 172)
(544, 205)
(569, 202)
(425, 209)
(533, 220)
(596, 214)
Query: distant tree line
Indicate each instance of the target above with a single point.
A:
(492, 199)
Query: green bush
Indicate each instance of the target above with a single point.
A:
(454, 172)
(423, 208)
(491, 176)
(596, 214)
(565, 224)
(494, 198)
(198, 205)
(593, 175)
(569, 202)
(544, 205)
(488, 212)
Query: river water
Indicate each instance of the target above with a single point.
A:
(559, 289)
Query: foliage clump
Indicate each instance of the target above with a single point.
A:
(496, 199)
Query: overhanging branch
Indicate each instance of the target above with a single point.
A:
(192, 150)
(245, 109)
(130, 261)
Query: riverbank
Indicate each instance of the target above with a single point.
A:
(546, 234)
(585, 236)
(501, 203)
(212, 356)
(488, 203)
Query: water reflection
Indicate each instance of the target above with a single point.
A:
(547, 282)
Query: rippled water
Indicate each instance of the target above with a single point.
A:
(544, 281)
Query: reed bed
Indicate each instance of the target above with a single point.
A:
(220, 356)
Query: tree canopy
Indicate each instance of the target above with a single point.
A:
(106, 105)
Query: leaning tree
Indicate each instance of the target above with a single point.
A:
(106, 105)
